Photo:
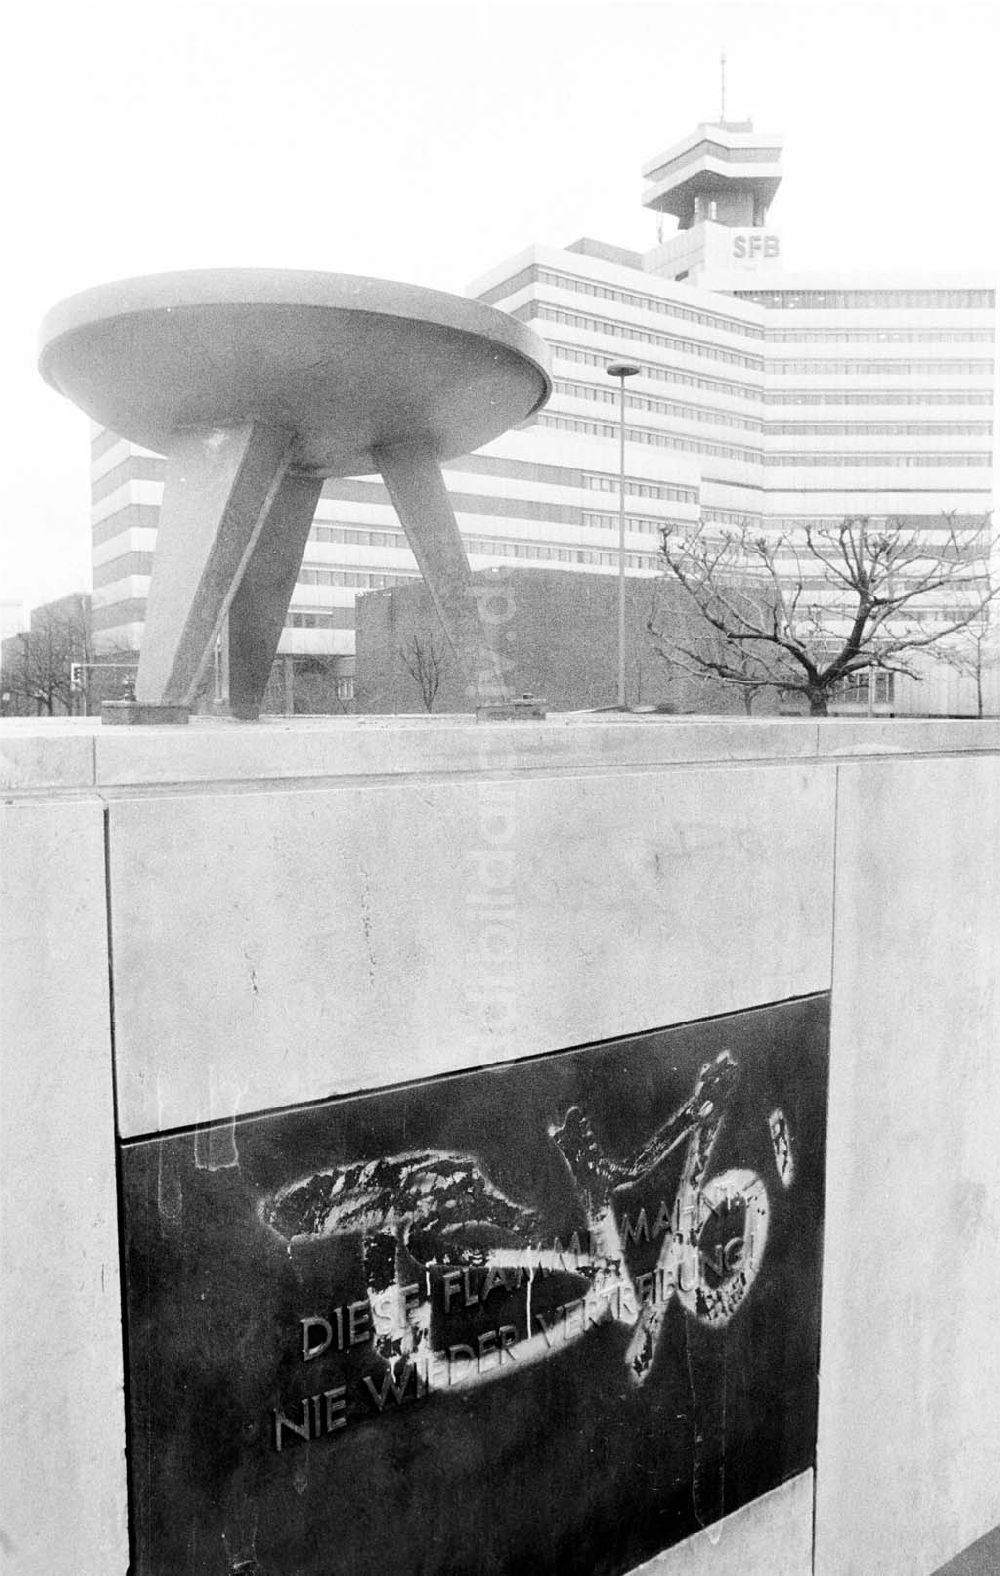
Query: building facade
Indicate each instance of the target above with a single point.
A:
(761, 396)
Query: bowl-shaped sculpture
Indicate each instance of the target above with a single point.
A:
(257, 384)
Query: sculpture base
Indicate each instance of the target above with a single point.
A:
(522, 708)
(137, 713)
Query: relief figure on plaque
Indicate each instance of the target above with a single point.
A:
(439, 1241)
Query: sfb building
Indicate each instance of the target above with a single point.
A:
(762, 395)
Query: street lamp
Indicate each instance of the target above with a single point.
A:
(621, 370)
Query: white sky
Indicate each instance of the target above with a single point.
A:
(428, 141)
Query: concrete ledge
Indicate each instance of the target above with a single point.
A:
(36, 754)
(62, 1439)
(142, 714)
(79, 753)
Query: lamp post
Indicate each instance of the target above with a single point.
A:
(621, 370)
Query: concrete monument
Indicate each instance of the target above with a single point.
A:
(257, 384)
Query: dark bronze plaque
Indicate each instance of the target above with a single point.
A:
(549, 1317)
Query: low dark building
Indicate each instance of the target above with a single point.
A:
(556, 632)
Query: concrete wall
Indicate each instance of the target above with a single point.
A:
(62, 1446)
(910, 1379)
(303, 909)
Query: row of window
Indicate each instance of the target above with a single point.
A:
(664, 407)
(690, 380)
(600, 481)
(311, 621)
(893, 429)
(935, 528)
(797, 568)
(882, 397)
(943, 461)
(542, 552)
(352, 537)
(640, 524)
(608, 327)
(856, 689)
(730, 517)
(606, 395)
(364, 580)
(647, 525)
(851, 300)
(659, 440)
(885, 336)
(507, 547)
(358, 578)
(477, 546)
(891, 367)
(784, 523)
(648, 303)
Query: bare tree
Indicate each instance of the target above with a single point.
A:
(43, 665)
(975, 652)
(701, 653)
(424, 660)
(802, 613)
(52, 668)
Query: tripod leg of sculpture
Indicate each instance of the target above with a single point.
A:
(416, 487)
(220, 487)
(258, 610)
